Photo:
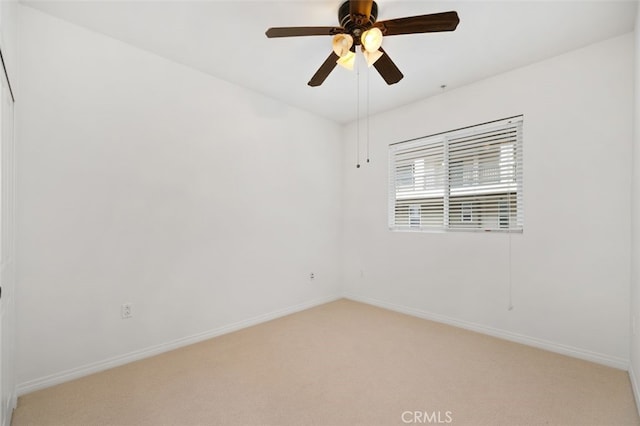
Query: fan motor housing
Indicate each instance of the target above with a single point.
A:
(356, 24)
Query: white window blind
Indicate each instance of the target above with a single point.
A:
(466, 179)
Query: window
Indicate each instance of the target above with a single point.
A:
(466, 179)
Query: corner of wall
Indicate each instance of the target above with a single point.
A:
(634, 387)
(634, 356)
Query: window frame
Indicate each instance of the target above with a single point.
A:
(477, 181)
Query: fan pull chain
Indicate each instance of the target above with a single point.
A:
(368, 75)
(357, 114)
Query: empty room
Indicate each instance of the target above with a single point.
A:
(320, 213)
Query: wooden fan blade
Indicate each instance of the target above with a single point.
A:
(323, 72)
(387, 69)
(360, 7)
(302, 31)
(436, 22)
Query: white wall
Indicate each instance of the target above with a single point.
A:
(8, 39)
(570, 267)
(635, 225)
(8, 42)
(143, 181)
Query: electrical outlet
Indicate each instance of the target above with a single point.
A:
(126, 310)
(312, 276)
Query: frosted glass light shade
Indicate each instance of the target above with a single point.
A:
(371, 39)
(347, 60)
(371, 57)
(342, 44)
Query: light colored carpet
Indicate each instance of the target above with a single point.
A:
(343, 363)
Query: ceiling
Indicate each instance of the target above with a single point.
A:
(226, 39)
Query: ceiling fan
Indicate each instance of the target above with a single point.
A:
(358, 26)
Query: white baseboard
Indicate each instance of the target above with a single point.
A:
(85, 370)
(7, 413)
(634, 387)
(611, 361)
(67, 375)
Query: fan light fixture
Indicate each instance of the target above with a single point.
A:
(371, 39)
(371, 57)
(347, 60)
(342, 44)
